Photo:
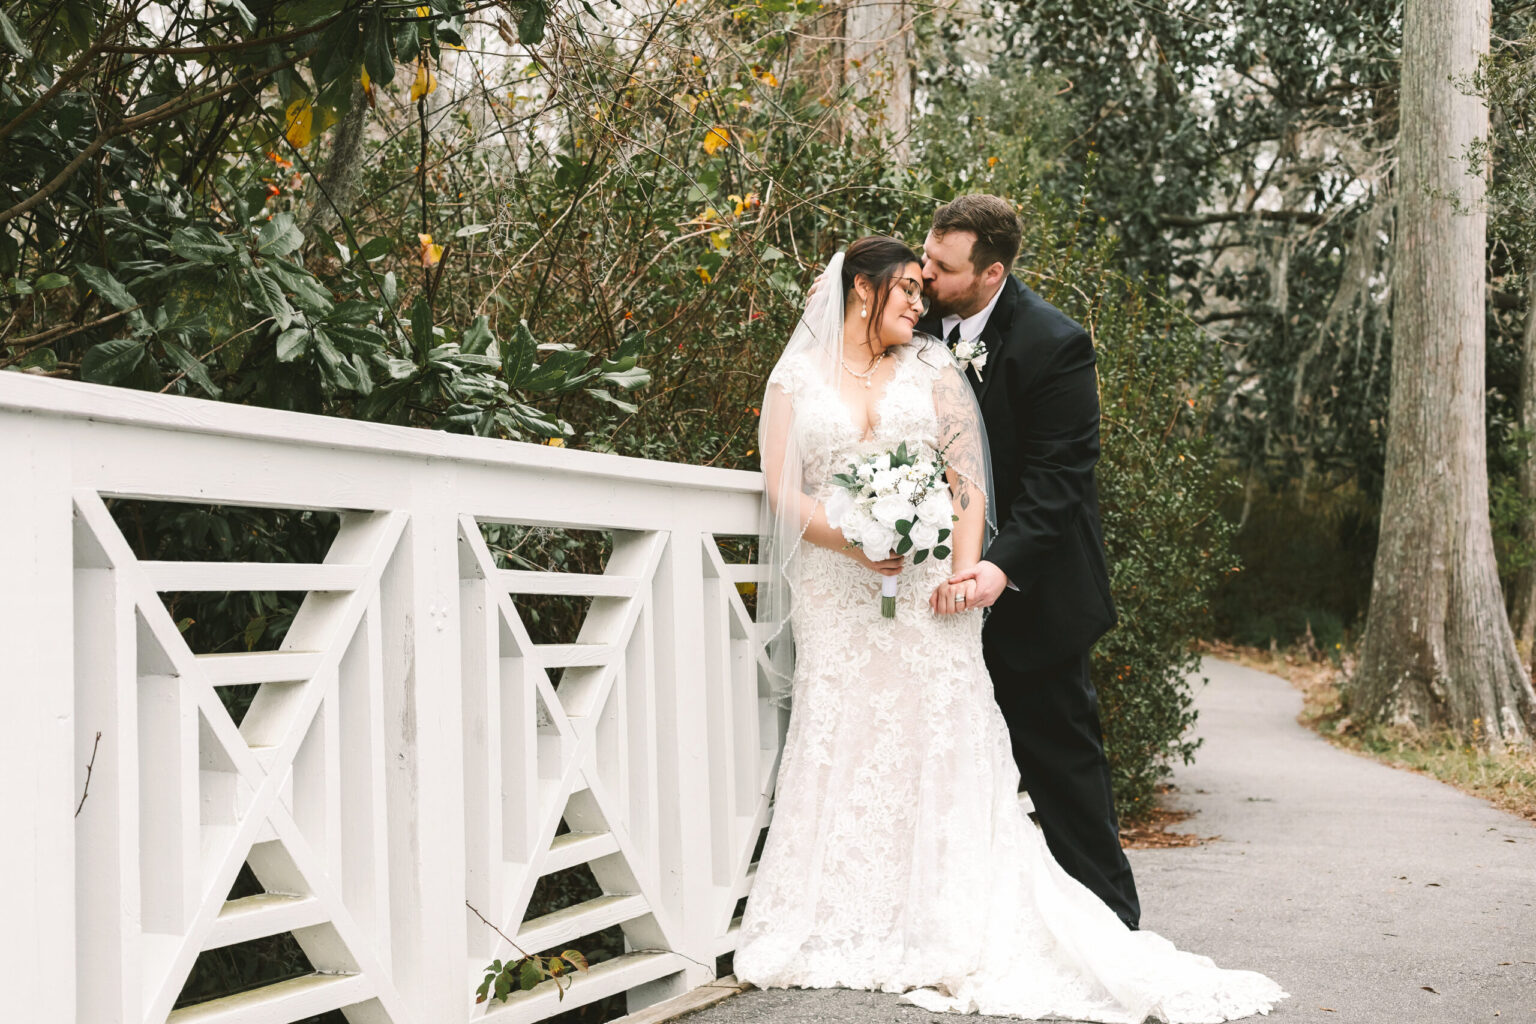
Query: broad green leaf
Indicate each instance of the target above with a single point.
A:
(43, 358)
(12, 39)
(628, 408)
(530, 27)
(530, 974)
(941, 552)
(247, 19)
(376, 248)
(190, 365)
(308, 293)
(407, 42)
(477, 339)
(377, 57)
(269, 297)
(279, 236)
(48, 282)
(111, 361)
(354, 311)
(201, 245)
(291, 344)
(920, 558)
(517, 354)
(108, 287)
(421, 327)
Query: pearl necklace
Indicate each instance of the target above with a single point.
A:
(867, 374)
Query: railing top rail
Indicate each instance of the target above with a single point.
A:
(29, 394)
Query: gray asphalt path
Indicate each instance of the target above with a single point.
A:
(1374, 896)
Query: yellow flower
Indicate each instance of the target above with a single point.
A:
(301, 122)
(556, 442)
(424, 84)
(704, 275)
(991, 161)
(423, 12)
(719, 239)
(769, 79)
(716, 139)
(430, 252)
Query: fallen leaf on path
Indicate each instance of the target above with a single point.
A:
(1431, 991)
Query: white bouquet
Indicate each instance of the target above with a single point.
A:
(895, 501)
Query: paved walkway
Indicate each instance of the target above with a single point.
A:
(1374, 896)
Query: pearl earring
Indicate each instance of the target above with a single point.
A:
(864, 312)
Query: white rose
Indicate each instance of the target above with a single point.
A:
(924, 470)
(884, 481)
(906, 487)
(889, 509)
(936, 509)
(838, 506)
(866, 471)
(877, 540)
(924, 535)
(884, 461)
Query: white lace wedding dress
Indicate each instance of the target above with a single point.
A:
(899, 859)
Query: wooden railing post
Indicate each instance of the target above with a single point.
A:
(42, 768)
(423, 747)
(683, 765)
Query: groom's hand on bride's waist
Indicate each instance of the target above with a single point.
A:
(990, 582)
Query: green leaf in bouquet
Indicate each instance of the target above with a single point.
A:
(920, 557)
(903, 526)
(845, 480)
(904, 546)
(941, 552)
(943, 536)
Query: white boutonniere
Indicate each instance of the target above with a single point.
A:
(970, 353)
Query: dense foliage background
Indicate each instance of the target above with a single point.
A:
(591, 224)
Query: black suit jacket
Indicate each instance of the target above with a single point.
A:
(1039, 399)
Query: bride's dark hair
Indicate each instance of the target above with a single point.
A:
(876, 258)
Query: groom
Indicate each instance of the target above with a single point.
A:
(1044, 574)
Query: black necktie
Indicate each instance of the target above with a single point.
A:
(953, 337)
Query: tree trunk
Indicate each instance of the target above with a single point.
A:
(1438, 649)
(1524, 619)
(877, 69)
(336, 188)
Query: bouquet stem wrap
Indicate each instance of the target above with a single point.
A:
(888, 596)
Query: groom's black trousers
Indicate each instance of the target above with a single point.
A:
(1053, 719)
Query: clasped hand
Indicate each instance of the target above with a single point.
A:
(947, 598)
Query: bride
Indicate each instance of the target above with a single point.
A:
(899, 859)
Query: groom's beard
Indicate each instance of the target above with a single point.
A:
(963, 305)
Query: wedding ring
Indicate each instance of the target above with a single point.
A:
(959, 599)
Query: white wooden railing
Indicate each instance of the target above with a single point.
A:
(407, 751)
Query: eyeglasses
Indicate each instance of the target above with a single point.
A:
(913, 290)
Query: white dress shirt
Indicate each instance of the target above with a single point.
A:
(971, 326)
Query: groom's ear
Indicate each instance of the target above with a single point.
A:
(995, 274)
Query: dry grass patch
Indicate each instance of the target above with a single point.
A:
(1506, 779)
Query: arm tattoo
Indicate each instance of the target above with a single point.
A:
(965, 494)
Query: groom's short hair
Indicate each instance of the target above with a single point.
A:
(991, 219)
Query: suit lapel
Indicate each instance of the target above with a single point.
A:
(996, 331)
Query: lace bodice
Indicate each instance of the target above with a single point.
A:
(825, 429)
